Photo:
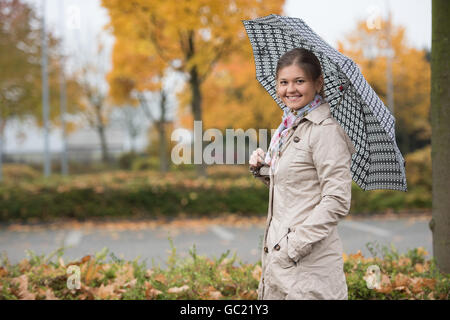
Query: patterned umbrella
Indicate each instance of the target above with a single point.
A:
(377, 163)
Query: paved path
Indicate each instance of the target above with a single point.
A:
(211, 239)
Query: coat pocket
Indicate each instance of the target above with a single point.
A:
(302, 152)
(281, 257)
(301, 164)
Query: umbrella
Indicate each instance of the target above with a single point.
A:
(377, 162)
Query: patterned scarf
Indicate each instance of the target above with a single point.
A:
(290, 119)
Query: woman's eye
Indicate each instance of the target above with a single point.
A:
(300, 81)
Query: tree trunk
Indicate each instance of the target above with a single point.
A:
(101, 133)
(194, 82)
(2, 136)
(440, 139)
(162, 135)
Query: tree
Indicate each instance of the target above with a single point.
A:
(135, 73)
(440, 142)
(94, 107)
(370, 48)
(190, 36)
(130, 119)
(20, 65)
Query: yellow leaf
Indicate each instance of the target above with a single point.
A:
(419, 267)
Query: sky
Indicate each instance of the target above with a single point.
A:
(83, 21)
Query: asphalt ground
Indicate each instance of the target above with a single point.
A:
(148, 240)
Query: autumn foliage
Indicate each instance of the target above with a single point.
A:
(411, 73)
(408, 276)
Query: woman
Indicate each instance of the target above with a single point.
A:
(308, 164)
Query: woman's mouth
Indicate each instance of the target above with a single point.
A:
(293, 98)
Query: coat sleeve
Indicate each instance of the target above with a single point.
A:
(331, 153)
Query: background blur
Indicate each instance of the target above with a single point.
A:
(122, 75)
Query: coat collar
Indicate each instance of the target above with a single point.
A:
(319, 114)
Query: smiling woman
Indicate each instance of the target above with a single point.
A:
(310, 188)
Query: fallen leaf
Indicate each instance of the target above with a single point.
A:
(403, 288)
(92, 272)
(401, 280)
(104, 292)
(23, 293)
(402, 262)
(256, 273)
(430, 283)
(419, 267)
(249, 295)
(150, 292)
(385, 284)
(131, 283)
(160, 278)
(178, 289)
(85, 259)
(3, 272)
(24, 265)
(422, 251)
(225, 276)
(356, 256)
(215, 295)
(148, 273)
(61, 262)
(50, 295)
(344, 257)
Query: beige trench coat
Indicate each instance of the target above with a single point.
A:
(309, 191)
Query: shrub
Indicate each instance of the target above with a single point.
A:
(19, 172)
(418, 168)
(126, 159)
(145, 163)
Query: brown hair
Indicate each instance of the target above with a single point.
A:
(304, 59)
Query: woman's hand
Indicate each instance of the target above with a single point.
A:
(257, 158)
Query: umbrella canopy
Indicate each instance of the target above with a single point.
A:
(377, 163)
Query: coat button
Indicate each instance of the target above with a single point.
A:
(277, 247)
(289, 230)
(296, 139)
(266, 249)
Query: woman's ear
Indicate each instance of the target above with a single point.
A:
(319, 83)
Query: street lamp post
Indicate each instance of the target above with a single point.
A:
(45, 106)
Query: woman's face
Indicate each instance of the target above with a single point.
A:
(294, 88)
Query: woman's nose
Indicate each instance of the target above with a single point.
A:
(291, 87)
